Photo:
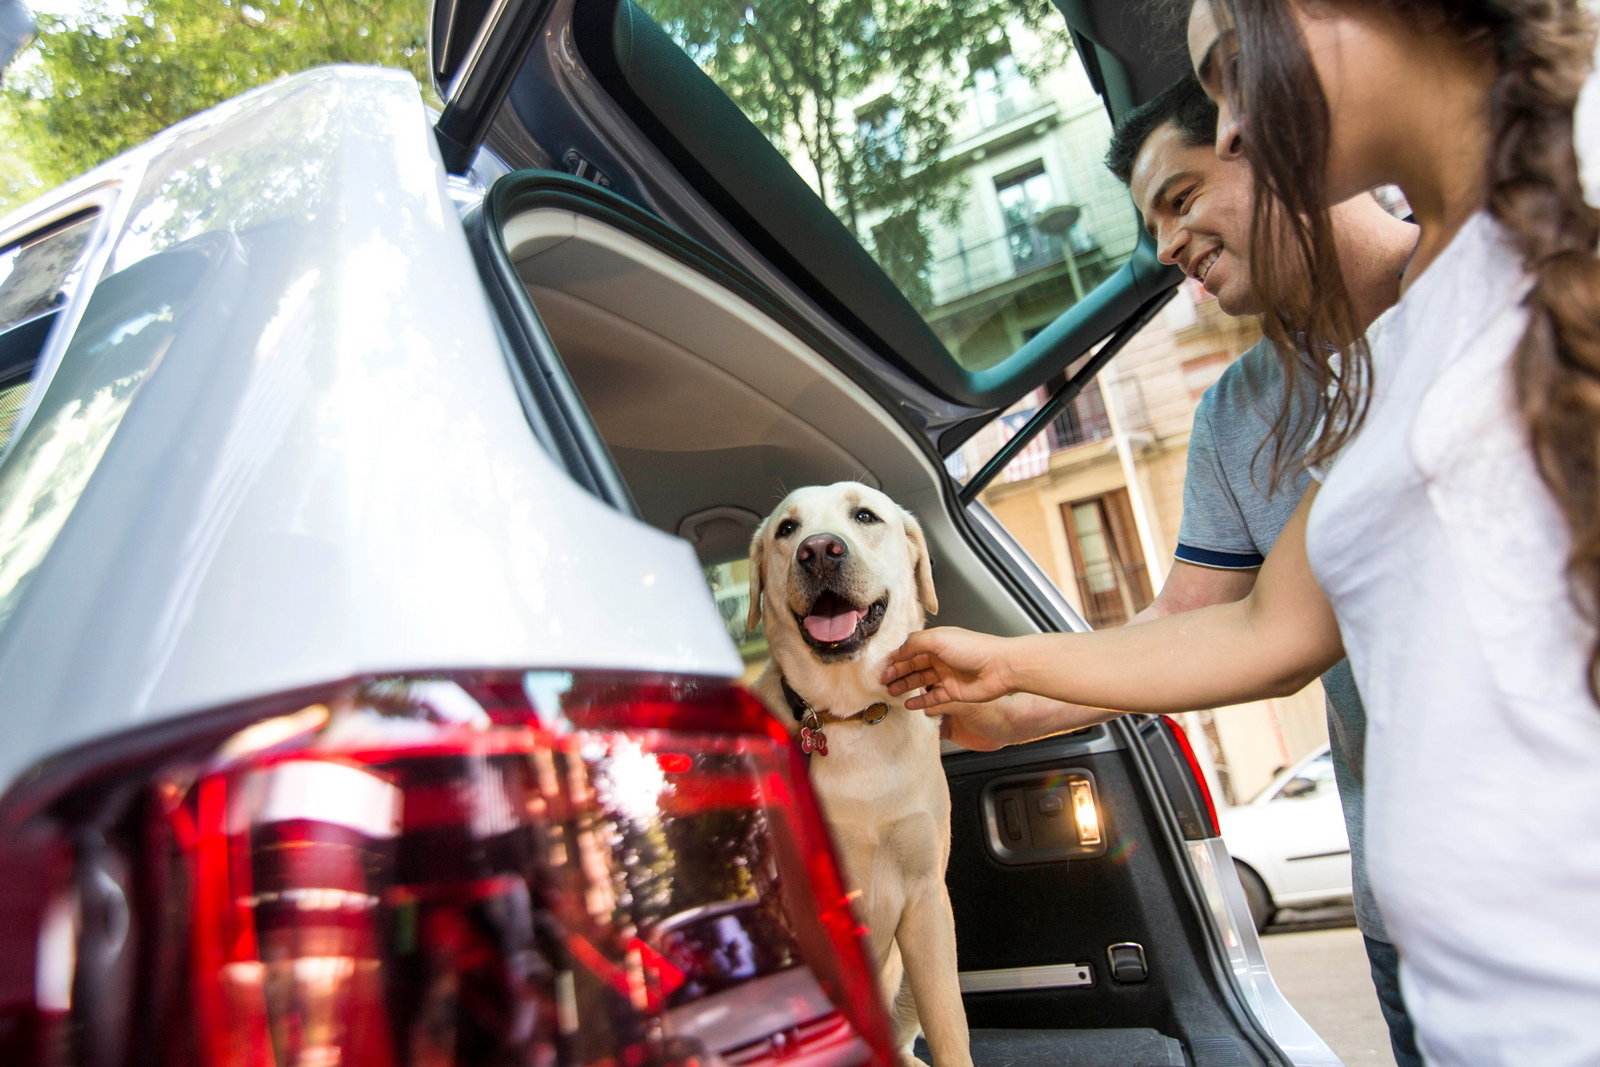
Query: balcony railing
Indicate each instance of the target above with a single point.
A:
(976, 267)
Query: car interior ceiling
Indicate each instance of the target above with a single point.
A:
(713, 411)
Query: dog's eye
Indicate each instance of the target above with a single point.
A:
(786, 527)
(866, 517)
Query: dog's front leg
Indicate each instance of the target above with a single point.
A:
(927, 940)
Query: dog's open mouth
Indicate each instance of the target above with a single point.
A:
(836, 626)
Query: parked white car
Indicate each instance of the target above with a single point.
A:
(1289, 844)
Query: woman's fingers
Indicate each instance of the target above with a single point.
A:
(906, 664)
(914, 678)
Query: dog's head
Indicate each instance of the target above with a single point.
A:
(839, 566)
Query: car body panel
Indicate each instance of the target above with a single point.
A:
(354, 489)
(1226, 898)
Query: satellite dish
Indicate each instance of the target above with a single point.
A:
(1058, 219)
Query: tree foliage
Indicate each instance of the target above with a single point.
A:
(100, 81)
(866, 93)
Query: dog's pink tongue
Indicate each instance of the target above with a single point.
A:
(831, 628)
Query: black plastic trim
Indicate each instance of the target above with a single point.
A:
(1124, 733)
(549, 399)
(1086, 1047)
(476, 91)
(1138, 49)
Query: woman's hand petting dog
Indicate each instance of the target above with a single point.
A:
(949, 665)
(957, 670)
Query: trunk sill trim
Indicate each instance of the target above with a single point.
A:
(1049, 976)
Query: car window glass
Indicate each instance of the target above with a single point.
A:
(725, 948)
(960, 144)
(128, 325)
(37, 276)
(730, 589)
(11, 399)
(1319, 772)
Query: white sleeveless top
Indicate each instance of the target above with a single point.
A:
(1443, 556)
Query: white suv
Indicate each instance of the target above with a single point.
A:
(362, 697)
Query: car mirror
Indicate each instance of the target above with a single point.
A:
(1298, 787)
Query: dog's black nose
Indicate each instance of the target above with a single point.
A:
(821, 552)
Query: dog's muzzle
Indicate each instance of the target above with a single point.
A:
(834, 626)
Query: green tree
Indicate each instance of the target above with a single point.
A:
(865, 94)
(100, 81)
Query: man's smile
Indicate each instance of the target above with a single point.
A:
(1203, 265)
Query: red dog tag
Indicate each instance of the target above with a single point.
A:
(812, 739)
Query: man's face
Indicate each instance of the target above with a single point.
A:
(1197, 207)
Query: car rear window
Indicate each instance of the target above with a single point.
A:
(961, 145)
(128, 323)
(37, 274)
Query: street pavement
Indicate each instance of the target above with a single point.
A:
(1321, 967)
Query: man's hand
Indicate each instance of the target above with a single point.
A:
(949, 665)
(1013, 720)
(981, 727)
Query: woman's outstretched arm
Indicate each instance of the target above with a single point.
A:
(1271, 643)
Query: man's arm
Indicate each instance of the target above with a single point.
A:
(1190, 586)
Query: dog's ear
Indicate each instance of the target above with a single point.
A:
(757, 577)
(922, 563)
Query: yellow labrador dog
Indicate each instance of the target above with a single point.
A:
(839, 576)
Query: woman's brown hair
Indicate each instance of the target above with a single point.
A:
(1543, 51)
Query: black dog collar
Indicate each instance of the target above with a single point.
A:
(812, 737)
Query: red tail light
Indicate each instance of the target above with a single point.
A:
(476, 869)
(1197, 779)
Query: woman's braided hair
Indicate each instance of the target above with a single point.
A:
(1543, 50)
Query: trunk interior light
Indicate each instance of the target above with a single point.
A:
(470, 869)
(1085, 811)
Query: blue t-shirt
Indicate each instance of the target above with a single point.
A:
(1233, 512)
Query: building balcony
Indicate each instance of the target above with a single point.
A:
(1025, 254)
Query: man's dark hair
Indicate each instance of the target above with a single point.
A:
(1184, 104)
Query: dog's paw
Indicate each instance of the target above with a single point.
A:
(906, 1059)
